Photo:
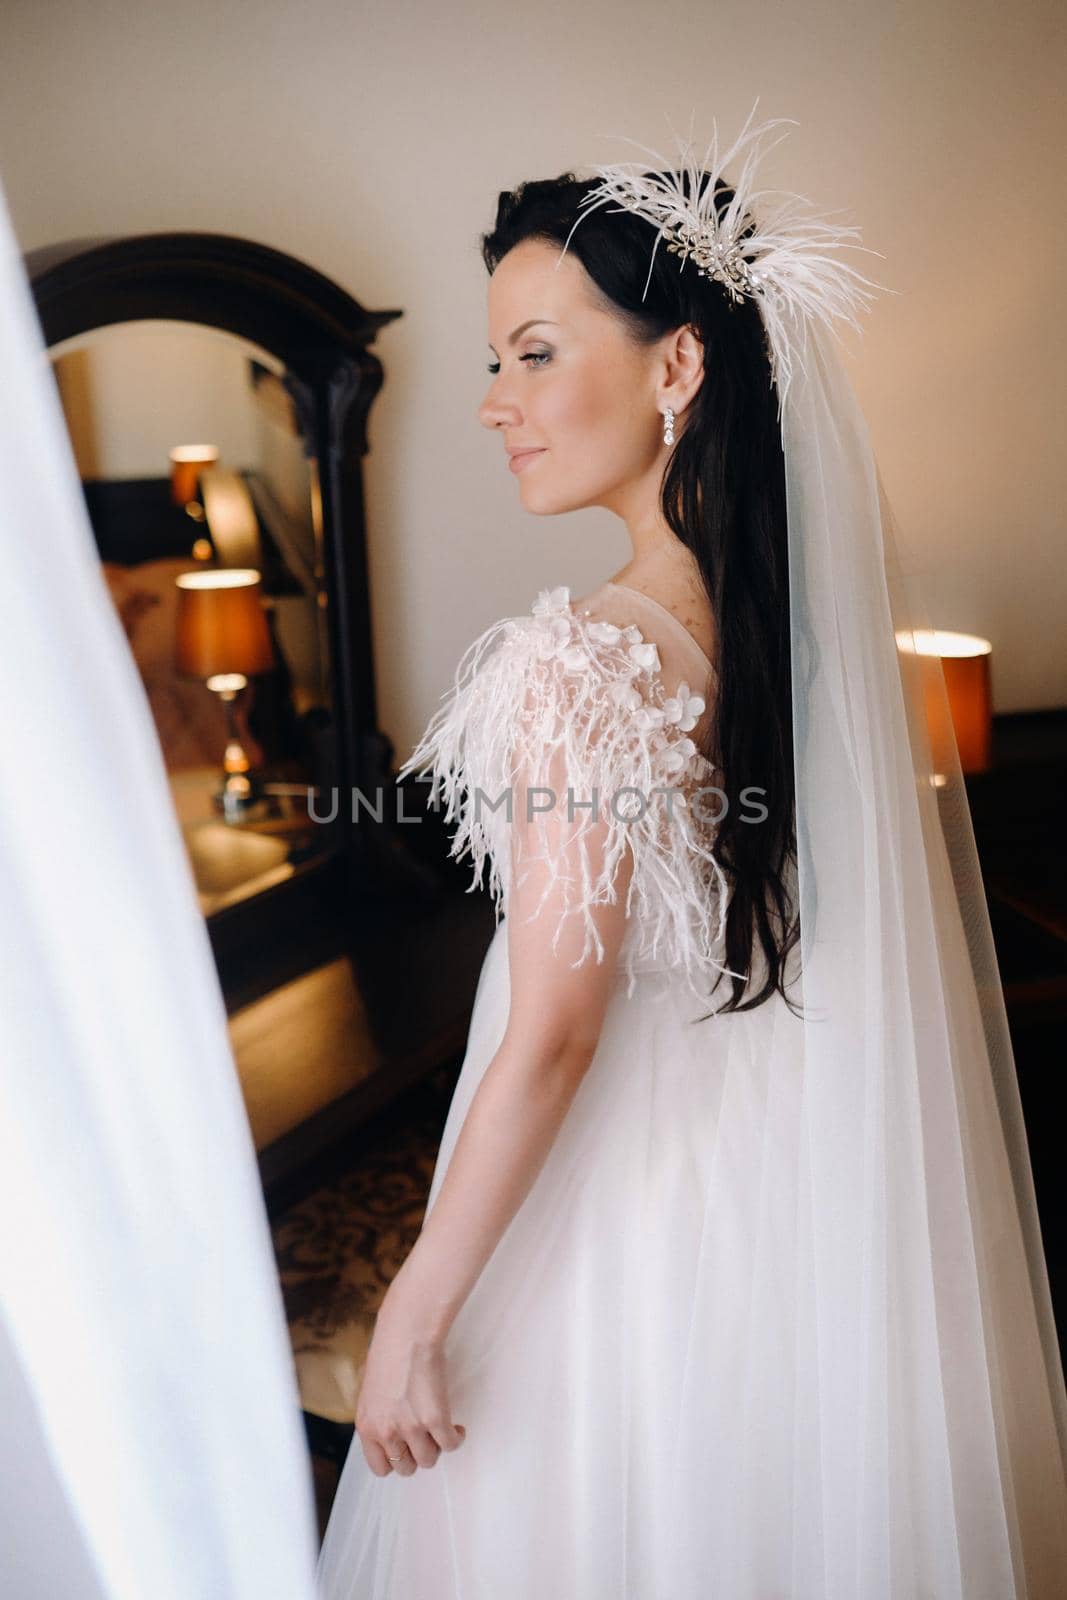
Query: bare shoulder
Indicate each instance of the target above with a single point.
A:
(679, 589)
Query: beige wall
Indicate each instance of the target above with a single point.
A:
(132, 391)
(371, 140)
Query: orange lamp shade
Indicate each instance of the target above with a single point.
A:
(187, 462)
(220, 626)
(968, 686)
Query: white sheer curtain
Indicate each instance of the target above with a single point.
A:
(152, 1444)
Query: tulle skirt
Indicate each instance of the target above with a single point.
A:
(641, 1368)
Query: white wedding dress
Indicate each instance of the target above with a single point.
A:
(639, 1367)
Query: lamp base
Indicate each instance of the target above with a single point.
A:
(237, 795)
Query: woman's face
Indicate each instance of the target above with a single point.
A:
(571, 386)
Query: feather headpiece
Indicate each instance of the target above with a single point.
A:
(781, 256)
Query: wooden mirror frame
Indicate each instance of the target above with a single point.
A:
(321, 335)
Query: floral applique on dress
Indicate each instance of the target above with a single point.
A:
(575, 710)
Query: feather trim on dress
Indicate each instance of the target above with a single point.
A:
(577, 709)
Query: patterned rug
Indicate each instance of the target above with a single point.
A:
(338, 1248)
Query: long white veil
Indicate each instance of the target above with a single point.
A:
(929, 1290)
(152, 1442)
(935, 1416)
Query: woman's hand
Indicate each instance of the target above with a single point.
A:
(402, 1406)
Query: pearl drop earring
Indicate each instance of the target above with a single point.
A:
(668, 426)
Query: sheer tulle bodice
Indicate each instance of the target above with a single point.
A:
(606, 700)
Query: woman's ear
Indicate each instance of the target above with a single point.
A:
(683, 369)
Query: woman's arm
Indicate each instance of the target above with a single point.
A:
(554, 1020)
(511, 1123)
(555, 1015)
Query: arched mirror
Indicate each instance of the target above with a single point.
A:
(216, 395)
(195, 471)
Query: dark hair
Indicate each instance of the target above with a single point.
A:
(723, 495)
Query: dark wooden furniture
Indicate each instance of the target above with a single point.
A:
(355, 974)
(1019, 814)
(322, 336)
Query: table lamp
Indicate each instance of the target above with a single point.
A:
(965, 661)
(187, 461)
(221, 636)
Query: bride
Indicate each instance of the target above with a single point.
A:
(730, 1281)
